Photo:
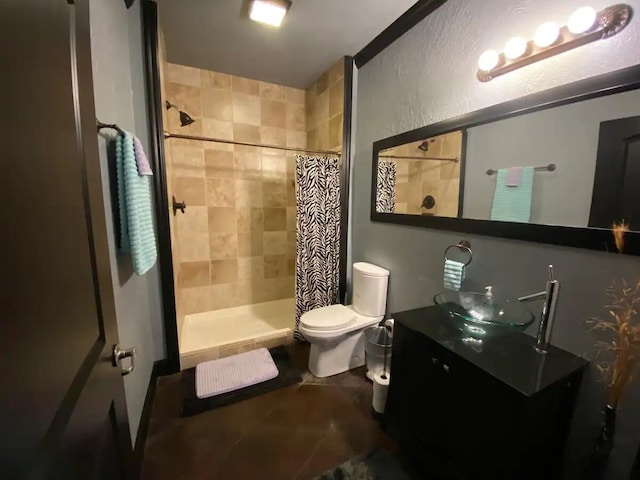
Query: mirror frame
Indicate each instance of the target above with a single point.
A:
(590, 238)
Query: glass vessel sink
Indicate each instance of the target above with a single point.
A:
(480, 315)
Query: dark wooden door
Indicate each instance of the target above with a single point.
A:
(62, 411)
(616, 186)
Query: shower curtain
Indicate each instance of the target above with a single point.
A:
(386, 186)
(318, 233)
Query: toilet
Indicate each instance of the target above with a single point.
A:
(336, 332)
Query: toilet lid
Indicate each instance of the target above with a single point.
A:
(332, 317)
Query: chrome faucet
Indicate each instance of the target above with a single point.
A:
(550, 296)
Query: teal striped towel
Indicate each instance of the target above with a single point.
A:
(454, 273)
(513, 204)
(134, 206)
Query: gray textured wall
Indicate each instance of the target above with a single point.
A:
(428, 75)
(566, 136)
(119, 89)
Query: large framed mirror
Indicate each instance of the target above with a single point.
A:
(560, 166)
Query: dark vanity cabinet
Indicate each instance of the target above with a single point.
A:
(466, 411)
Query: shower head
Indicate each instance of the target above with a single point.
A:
(185, 118)
(424, 146)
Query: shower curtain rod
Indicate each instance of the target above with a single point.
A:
(168, 135)
(444, 159)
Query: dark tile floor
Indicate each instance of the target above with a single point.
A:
(293, 433)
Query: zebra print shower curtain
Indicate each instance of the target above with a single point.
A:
(386, 186)
(318, 233)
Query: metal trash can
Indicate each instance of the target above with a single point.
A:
(377, 340)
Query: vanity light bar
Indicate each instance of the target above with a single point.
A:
(585, 26)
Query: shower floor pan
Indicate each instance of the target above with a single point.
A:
(220, 333)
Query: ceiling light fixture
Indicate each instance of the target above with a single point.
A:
(270, 12)
(584, 26)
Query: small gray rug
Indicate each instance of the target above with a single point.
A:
(377, 465)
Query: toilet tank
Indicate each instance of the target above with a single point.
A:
(370, 289)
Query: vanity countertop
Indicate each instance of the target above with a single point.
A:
(511, 359)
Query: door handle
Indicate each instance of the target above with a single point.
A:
(178, 206)
(122, 353)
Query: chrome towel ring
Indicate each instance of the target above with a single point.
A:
(463, 245)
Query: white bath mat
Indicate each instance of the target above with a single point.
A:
(233, 373)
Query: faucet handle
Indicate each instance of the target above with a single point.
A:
(551, 276)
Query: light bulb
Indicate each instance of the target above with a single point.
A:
(515, 48)
(488, 60)
(546, 34)
(582, 20)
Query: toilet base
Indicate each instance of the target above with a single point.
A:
(327, 359)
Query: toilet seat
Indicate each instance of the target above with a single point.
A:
(333, 317)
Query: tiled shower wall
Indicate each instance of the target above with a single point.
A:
(235, 243)
(418, 178)
(324, 108)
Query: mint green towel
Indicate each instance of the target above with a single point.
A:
(454, 273)
(134, 205)
(513, 204)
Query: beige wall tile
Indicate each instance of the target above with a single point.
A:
(291, 219)
(246, 163)
(296, 139)
(216, 80)
(335, 132)
(336, 98)
(275, 219)
(250, 244)
(295, 117)
(322, 84)
(272, 113)
(295, 95)
(187, 161)
(246, 109)
(273, 91)
(224, 296)
(193, 234)
(190, 190)
(275, 266)
(249, 193)
(274, 243)
(223, 246)
(194, 274)
(274, 166)
(291, 265)
(217, 129)
(250, 270)
(224, 271)
(291, 244)
(186, 98)
(221, 192)
(245, 85)
(275, 193)
(337, 71)
(222, 220)
(273, 136)
(291, 192)
(246, 133)
(249, 219)
(181, 74)
(323, 136)
(196, 299)
(218, 164)
(216, 104)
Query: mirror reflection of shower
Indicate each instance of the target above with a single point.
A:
(185, 118)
